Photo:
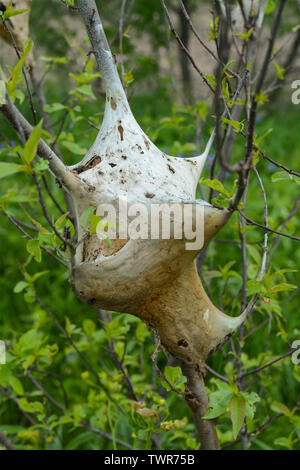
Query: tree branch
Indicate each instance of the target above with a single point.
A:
(197, 400)
(6, 442)
(101, 49)
(23, 128)
(259, 369)
(252, 222)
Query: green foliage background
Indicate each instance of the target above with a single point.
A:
(63, 406)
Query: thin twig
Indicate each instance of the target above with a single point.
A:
(259, 369)
(171, 24)
(252, 222)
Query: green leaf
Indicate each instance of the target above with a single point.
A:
(284, 176)
(237, 125)
(202, 109)
(28, 361)
(141, 332)
(33, 249)
(94, 221)
(84, 77)
(271, 6)
(255, 287)
(218, 403)
(17, 71)
(254, 253)
(55, 60)
(85, 216)
(73, 147)
(237, 413)
(9, 11)
(88, 326)
(174, 376)
(68, 326)
(53, 108)
(226, 92)
(215, 184)
(245, 36)
(29, 295)
(29, 341)
(283, 442)
(7, 169)
(5, 374)
(16, 385)
(9, 14)
(85, 438)
(280, 71)
(261, 97)
(251, 399)
(284, 286)
(33, 407)
(11, 429)
(60, 221)
(31, 145)
(221, 200)
(228, 65)
(280, 408)
(214, 28)
(128, 78)
(20, 286)
(86, 90)
(211, 79)
(257, 140)
(38, 275)
(41, 165)
(12, 196)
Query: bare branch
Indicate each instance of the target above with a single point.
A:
(252, 222)
(279, 165)
(259, 369)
